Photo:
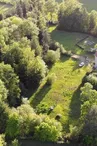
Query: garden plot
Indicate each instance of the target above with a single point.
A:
(88, 44)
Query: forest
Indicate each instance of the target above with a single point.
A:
(44, 95)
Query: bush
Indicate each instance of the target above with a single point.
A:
(52, 56)
(51, 79)
(42, 108)
(2, 140)
(15, 143)
(49, 130)
(3, 117)
(92, 78)
(12, 128)
(55, 45)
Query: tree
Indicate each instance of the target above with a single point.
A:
(88, 98)
(36, 46)
(52, 56)
(89, 130)
(3, 117)
(26, 115)
(11, 82)
(49, 130)
(51, 7)
(2, 140)
(36, 71)
(15, 142)
(3, 92)
(28, 29)
(73, 17)
(86, 92)
(12, 129)
(44, 39)
(92, 20)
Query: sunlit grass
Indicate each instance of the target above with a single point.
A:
(63, 93)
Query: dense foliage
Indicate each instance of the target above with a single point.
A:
(27, 53)
(73, 16)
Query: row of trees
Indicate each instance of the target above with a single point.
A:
(25, 44)
(74, 17)
(86, 132)
(24, 122)
(26, 51)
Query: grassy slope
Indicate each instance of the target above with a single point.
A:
(64, 93)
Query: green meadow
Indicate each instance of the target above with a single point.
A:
(64, 94)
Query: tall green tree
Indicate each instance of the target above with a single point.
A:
(11, 82)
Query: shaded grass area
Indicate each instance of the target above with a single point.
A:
(40, 94)
(68, 39)
(64, 93)
(5, 7)
(59, 1)
(85, 43)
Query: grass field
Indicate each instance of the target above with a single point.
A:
(64, 93)
(67, 39)
(59, 1)
(90, 4)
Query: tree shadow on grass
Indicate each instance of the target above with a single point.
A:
(40, 95)
(64, 58)
(75, 105)
(76, 66)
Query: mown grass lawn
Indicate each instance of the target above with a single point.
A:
(67, 39)
(90, 4)
(59, 1)
(64, 92)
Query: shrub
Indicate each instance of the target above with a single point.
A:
(52, 56)
(2, 140)
(42, 108)
(55, 45)
(51, 79)
(12, 129)
(92, 78)
(49, 130)
(15, 142)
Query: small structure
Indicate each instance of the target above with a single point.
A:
(81, 64)
(92, 49)
(96, 59)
